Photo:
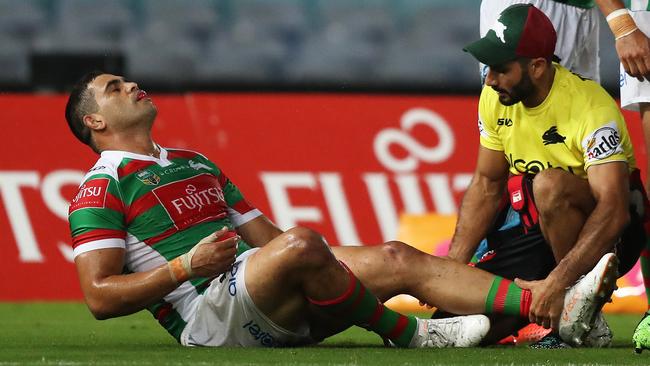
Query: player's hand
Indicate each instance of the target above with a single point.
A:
(634, 52)
(546, 303)
(214, 254)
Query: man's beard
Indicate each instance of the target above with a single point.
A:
(519, 92)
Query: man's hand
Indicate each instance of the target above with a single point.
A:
(634, 52)
(547, 301)
(212, 256)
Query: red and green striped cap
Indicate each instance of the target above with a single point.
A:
(522, 30)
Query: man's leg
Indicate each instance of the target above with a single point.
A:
(563, 202)
(296, 272)
(396, 268)
(452, 286)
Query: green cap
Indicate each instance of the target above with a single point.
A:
(522, 30)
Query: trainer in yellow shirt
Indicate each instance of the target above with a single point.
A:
(576, 126)
(558, 147)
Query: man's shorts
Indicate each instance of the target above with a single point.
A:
(634, 91)
(227, 316)
(576, 28)
(512, 252)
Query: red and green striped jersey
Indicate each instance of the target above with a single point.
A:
(156, 209)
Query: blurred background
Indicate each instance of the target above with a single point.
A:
(386, 152)
(217, 45)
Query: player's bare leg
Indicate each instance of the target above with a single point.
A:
(436, 281)
(396, 268)
(564, 202)
(296, 273)
(449, 285)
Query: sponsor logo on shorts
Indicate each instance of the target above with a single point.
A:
(487, 256)
(602, 143)
(148, 177)
(232, 280)
(192, 200)
(92, 194)
(264, 337)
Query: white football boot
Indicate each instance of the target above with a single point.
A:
(584, 299)
(459, 331)
(600, 335)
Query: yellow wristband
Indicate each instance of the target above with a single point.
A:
(621, 23)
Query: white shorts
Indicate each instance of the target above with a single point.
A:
(227, 316)
(634, 91)
(576, 28)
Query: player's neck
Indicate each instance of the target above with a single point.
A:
(542, 89)
(141, 144)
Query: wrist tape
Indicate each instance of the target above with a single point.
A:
(621, 23)
(181, 268)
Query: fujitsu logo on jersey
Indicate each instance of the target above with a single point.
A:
(92, 194)
(192, 200)
(196, 199)
(86, 192)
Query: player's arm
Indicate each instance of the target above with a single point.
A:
(609, 184)
(480, 204)
(632, 46)
(109, 293)
(258, 231)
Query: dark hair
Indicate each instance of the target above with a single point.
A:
(80, 103)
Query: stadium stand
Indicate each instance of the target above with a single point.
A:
(384, 44)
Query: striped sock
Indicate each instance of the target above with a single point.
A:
(507, 298)
(645, 270)
(362, 308)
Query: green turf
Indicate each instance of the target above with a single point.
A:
(66, 334)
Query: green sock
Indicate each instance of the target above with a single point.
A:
(362, 308)
(507, 298)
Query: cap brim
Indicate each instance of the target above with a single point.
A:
(489, 52)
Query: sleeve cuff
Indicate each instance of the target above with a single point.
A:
(99, 244)
(239, 219)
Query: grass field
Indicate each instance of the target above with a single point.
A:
(66, 334)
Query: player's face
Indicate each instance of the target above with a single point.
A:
(121, 102)
(512, 81)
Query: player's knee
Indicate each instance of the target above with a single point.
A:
(399, 255)
(306, 245)
(548, 188)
